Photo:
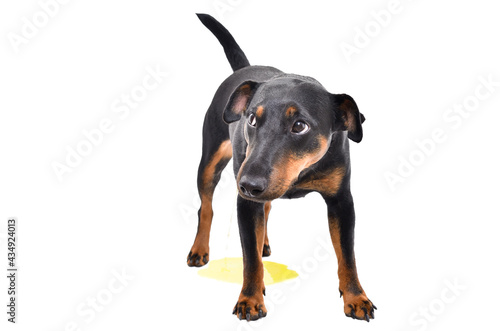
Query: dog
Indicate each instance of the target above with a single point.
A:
(288, 136)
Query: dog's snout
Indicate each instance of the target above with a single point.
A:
(253, 186)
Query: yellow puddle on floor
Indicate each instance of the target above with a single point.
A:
(230, 269)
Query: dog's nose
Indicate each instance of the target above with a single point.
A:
(252, 186)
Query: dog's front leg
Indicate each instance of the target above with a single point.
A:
(341, 224)
(250, 305)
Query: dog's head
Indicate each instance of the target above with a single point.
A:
(288, 124)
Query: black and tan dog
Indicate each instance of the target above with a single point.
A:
(288, 137)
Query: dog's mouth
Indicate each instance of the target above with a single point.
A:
(273, 189)
(263, 189)
(270, 184)
(260, 199)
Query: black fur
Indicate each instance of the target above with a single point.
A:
(257, 108)
(234, 54)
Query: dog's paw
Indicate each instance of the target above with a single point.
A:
(197, 258)
(250, 308)
(267, 250)
(359, 307)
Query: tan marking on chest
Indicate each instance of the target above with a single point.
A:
(326, 183)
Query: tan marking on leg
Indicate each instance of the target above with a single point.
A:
(254, 279)
(345, 273)
(260, 233)
(356, 305)
(201, 243)
(224, 151)
(267, 249)
(201, 246)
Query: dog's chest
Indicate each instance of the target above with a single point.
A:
(327, 183)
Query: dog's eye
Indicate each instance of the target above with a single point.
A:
(300, 127)
(252, 120)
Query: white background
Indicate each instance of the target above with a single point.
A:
(130, 203)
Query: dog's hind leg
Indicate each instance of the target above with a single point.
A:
(217, 151)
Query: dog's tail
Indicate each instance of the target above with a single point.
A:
(234, 54)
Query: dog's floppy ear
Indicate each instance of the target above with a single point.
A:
(239, 100)
(348, 116)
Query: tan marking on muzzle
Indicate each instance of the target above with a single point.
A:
(287, 170)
